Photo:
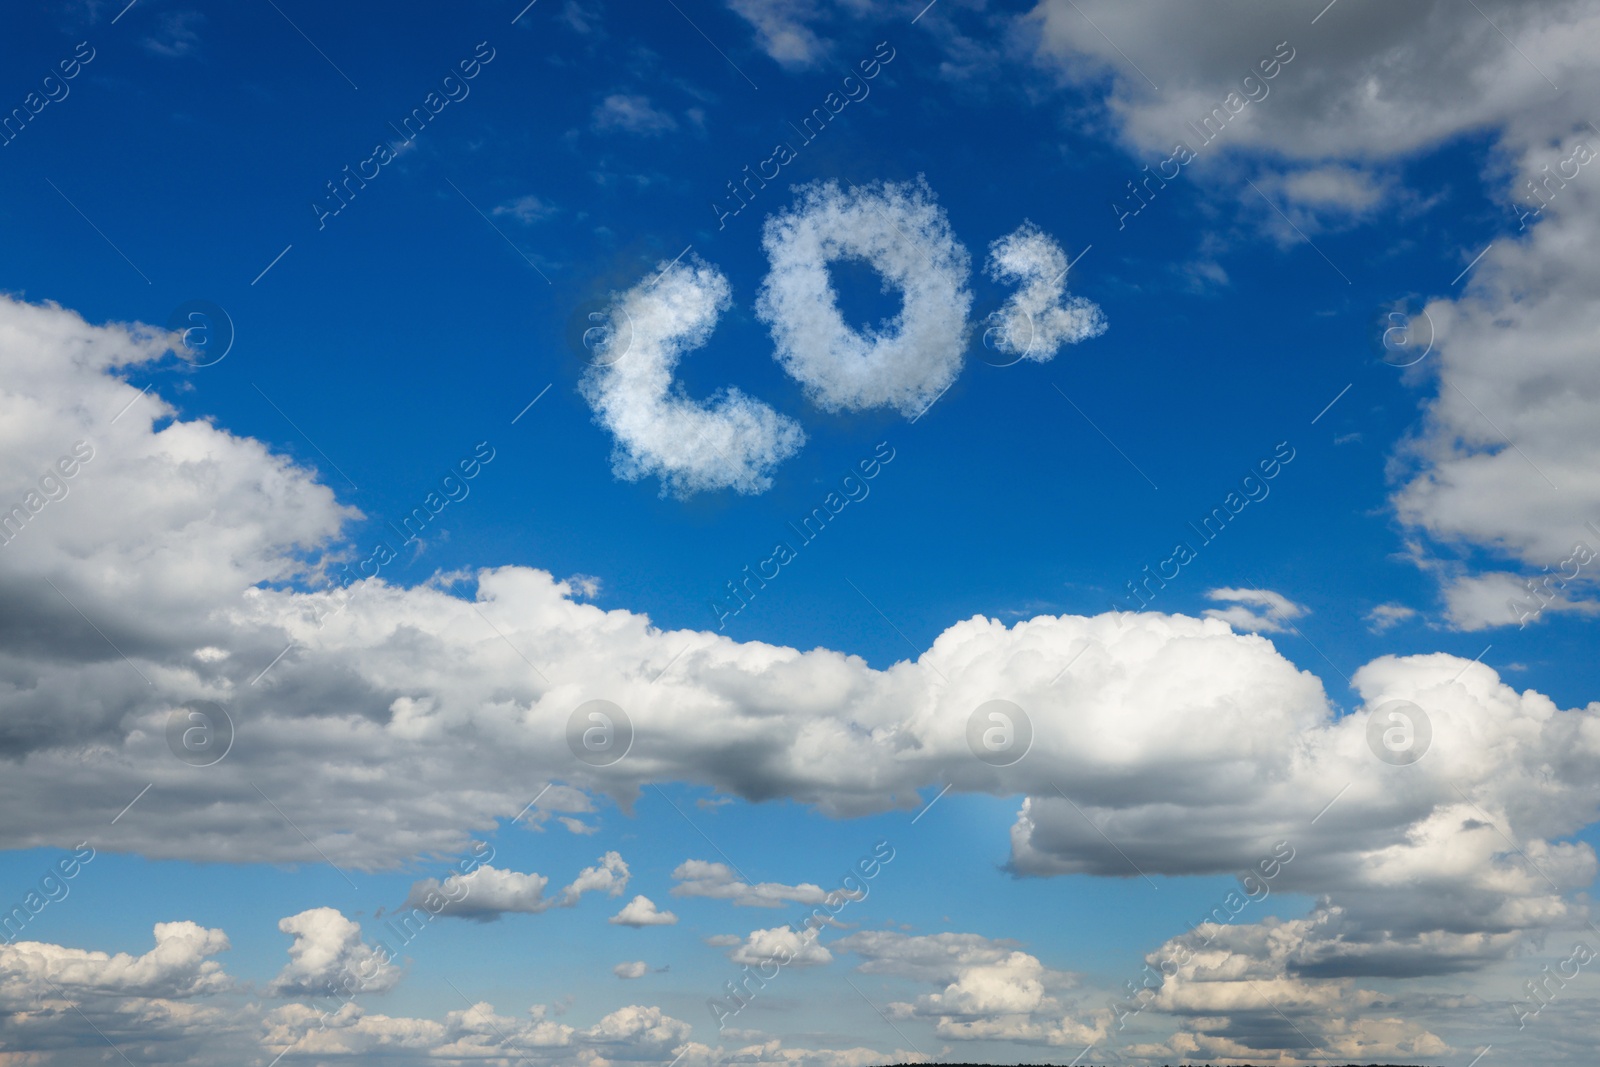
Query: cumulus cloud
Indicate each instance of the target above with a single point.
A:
(329, 957)
(902, 232)
(698, 878)
(1039, 317)
(728, 442)
(987, 989)
(642, 911)
(632, 969)
(1236, 986)
(1259, 610)
(794, 948)
(485, 893)
(179, 966)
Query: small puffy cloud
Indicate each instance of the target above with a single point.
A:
(486, 893)
(526, 209)
(698, 878)
(632, 969)
(632, 114)
(730, 441)
(328, 955)
(608, 876)
(1319, 198)
(641, 911)
(586, 586)
(1387, 616)
(903, 233)
(1258, 610)
(789, 947)
(1039, 317)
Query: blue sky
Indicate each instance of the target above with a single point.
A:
(576, 159)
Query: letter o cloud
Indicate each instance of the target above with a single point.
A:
(900, 230)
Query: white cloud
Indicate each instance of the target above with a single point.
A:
(1276, 613)
(177, 967)
(1499, 598)
(698, 878)
(900, 230)
(1385, 617)
(642, 911)
(631, 969)
(486, 893)
(527, 209)
(328, 958)
(783, 943)
(781, 30)
(989, 990)
(728, 442)
(1039, 317)
(633, 114)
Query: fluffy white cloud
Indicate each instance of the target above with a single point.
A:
(1039, 317)
(328, 958)
(178, 966)
(642, 911)
(698, 878)
(793, 948)
(900, 230)
(728, 442)
(486, 893)
(1275, 615)
(631, 969)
